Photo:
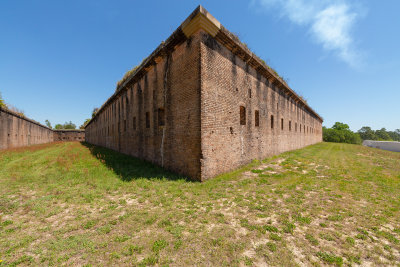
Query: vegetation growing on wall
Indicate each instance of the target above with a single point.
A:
(340, 133)
(2, 104)
(15, 110)
(84, 124)
(95, 110)
(10, 107)
(48, 124)
(284, 79)
(126, 75)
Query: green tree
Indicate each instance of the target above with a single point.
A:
(382, 134)
(340, 133)
(366, 133)
(69, 125)
(340, 126)
(394, 135)
(48, 124)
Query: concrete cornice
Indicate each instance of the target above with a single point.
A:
(200, 19)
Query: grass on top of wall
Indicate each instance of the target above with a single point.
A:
(78, 204)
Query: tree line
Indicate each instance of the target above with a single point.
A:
(70, 125)
(66, 126)
(341, 133)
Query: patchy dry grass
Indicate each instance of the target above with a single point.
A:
(74, 204)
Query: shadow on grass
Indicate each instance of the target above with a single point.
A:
(129, 168)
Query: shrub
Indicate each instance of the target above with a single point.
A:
(2, 104)
(341, 133)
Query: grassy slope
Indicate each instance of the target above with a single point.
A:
(68, 203)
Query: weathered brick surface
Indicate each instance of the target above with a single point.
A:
(17, 131)
(172, 84)
(228, 83)
(201, 78)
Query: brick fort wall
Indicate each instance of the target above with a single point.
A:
(202, 104)
(69, 135)
(272, 121)
(19, 131)
(156, 117)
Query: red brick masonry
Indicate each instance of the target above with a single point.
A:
(18, 131)
(202, 104)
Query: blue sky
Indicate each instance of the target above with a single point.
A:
(61, 59)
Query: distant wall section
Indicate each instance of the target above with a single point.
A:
(18, 131)
(69, 135)
(385, 145)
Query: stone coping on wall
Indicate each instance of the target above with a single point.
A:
(37, 123)
(23, 117)
(200, 18)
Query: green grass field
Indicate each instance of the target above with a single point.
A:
(76, 204)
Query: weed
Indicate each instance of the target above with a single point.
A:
(133, 249)
(105, 229)
(275, 237)
(350, 241)
(149, 261)
(248, 261)
(288, 228)
(158, 245)
(89, 224)
(122, 238)
(165, 223)
(271, 246)
(216, 242)
(6, 222)
(330, 258)
(270, 228)
(353, 258)
(326, 236)
(303, 220)
(177, 244)
(388, 236)
(312, 239)
(361, 236)
(335, 218)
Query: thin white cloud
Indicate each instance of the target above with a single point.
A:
(329, 23)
